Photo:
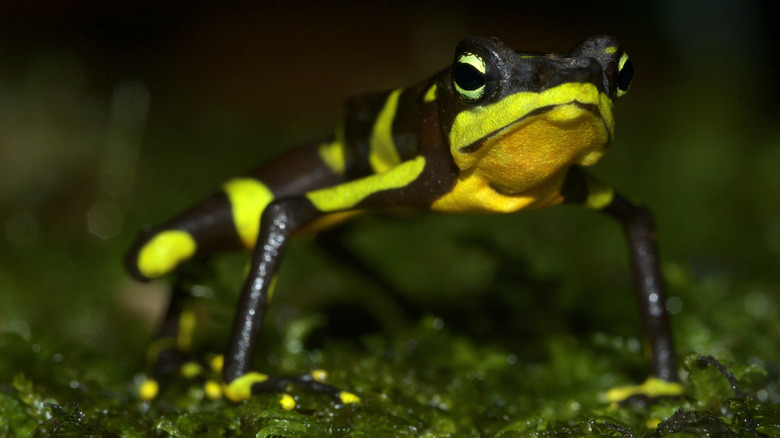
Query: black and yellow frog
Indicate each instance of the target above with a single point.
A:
(498, 131)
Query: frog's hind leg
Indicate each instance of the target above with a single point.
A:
(227, 220)
(169, 353)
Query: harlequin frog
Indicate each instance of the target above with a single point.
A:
(498, 131)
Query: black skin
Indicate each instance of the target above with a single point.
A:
(420, 129)
(639, 227)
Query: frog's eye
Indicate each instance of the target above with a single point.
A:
(469, 76)
(625, 73)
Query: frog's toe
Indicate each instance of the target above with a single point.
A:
(173, 364)
(243, 387)
(652, 388)
(148, 389)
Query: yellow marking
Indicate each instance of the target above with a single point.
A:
(248, 198)
(382, 154)
(164, 252)
(479, 122)
(652, 423)
(599, 194)
(319, 375)
(149, 390)
(187, 322)
(652, 387)
(332, 154)
(213, 390)
(190, 370)
(348, 397)
(217, 362)
(287, 402)
(475, 194)
(611, 50)
(241, 388)
(157, 346)
(523, 165)
(430, 95)
(347, 195)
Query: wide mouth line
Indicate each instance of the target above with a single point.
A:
(477, 144)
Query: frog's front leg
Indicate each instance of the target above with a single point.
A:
(279, 221)
(638, 225)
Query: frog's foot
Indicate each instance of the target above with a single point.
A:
(652, 388)
(171, 363)
(207, 372)
(254, 383)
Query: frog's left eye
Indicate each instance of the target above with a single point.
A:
(470, 77)
(625, 74)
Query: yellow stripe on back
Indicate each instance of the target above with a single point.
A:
(164, 252)
(248, 198)
(347, 195)
(382, 152)
(332, 154)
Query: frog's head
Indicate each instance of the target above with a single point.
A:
(519, 119)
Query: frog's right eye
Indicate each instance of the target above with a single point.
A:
(470, 76)
(624, 75)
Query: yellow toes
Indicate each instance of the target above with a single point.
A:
(348, 397)
(213, 390)
(149, 390)
(241, 388)
(652, 387)
(319, 375)
(287, 402)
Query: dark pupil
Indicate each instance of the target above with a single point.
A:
(625, 75)
(468, 77)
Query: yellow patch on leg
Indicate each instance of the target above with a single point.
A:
(248, 198)
(213, 390)
(149, 389)
(187, 322)
(319, 375)
(652, 387)
(348, 398)
(287, 402)
(217, 362)
(190, 370)
(241, 388)
(163, 252)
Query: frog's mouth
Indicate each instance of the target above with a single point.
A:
(518, 124)
(537, 147)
